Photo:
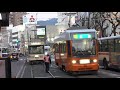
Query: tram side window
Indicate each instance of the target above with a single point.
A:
(69, 51)
(100, 48)
(117, 45)
(63, 48)
(57, 49)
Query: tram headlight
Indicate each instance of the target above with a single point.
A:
(36, 56)
(73, 61)
(94, 60)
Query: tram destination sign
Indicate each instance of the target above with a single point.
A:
(77, 36)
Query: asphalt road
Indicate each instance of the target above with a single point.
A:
(17, 66)
(38, 71)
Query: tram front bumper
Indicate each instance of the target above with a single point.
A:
(83, 67)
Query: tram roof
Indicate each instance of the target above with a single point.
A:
(111, 37)
(66, 35)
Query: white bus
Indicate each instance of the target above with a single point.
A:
(4, 52)
(109, 52)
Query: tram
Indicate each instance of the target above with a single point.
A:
(76, 51)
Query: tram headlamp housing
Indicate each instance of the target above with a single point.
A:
(94, 60)
(73, 61)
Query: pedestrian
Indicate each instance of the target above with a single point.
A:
(47, 61)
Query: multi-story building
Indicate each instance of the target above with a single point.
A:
(54, 30)
(16, 18)
(66, 18)
(18, 38)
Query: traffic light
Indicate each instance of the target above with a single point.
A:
(17, 41)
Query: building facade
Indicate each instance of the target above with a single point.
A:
(16, 18)
(66, 18)
(18, 38)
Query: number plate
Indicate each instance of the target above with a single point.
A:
(84, 61)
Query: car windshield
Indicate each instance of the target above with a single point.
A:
(83, 47)
(36, 50)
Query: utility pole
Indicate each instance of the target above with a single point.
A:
(88, 20)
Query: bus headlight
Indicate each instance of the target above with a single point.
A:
(94, 60)
(36, 56)
(73, 61)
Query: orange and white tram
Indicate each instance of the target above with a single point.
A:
(77, 51)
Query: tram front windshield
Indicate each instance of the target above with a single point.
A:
(36, 50)
(83, 47)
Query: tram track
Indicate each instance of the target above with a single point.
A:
(41, 76)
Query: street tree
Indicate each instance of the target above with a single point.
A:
(98, 21)
(114, 19)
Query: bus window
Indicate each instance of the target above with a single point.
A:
(117, 45)
(111, 45)
(36, 49)
(104, 47)
(4, 50)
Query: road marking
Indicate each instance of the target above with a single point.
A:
(32, 75)
(21, 59)
(20, 70)
(51, 74)
(47, 77)
(23, 72)
(108, 73)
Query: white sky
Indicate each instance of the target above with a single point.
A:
(44, 15)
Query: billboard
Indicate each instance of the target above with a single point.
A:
(40, 31)
(30, 19)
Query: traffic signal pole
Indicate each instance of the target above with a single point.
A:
(8, 67)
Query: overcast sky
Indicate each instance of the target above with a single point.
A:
(45, 15)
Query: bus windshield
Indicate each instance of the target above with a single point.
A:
(5, 50)
(83, 47)
(36, 50)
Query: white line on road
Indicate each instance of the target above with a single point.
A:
(20, 70)
(108, 73)
(47, 77)
(32, 75)
(23, 72)
(51, 74)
